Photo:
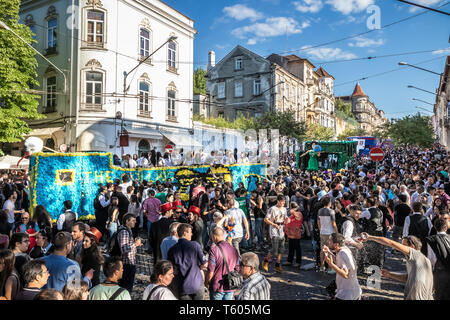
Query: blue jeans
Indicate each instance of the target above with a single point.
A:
(112, 228)
(258, 230)
(221, 295)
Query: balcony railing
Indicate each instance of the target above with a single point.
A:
(144, 113)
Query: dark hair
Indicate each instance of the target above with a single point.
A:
(111, 265)
(354, 207)
(81, 226)
(41, 215)
(417, 207)
(3, 217)
(49, 294)
(32, 269)
(371, 201)
(161, 268)
(338, 238)
(129, 189)
(127, 217)
(402, 197)
(17, 238)
(335, 193)
(74, 290)
(280, 197)
(325, 201)
(441, 225)
(9, 259)
(93, 251)
(412, 240)
(62, 238)
(182, 228)
(68, 204)
(125, 178)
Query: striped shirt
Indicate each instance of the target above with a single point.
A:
(127, 247)
(255, 287)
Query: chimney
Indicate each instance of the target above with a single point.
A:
(211, 60)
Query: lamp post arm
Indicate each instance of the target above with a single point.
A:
(439, 74)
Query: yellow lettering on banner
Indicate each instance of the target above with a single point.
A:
(87, 176)
(108, 177)
(98, 176)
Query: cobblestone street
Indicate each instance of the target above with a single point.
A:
(294, 284)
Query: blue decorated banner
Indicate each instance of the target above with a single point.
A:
(57, 177)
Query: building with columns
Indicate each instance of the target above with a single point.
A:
(94, 43)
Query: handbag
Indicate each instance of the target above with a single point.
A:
(232, 280)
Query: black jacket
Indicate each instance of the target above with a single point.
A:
(159, 231)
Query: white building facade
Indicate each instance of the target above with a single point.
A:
(95, 43)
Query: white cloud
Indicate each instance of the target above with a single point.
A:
(271, 27)
(426, 3)
(312, 6)
(442, 51)
(328, 53)
(242, 12)
(349, 6)
(362, 42)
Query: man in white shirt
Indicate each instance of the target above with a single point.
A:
(131, 162)
(126, 182)
(417, 224)
(327, 225)
(239, 218)
(344, 264)
(9, 207)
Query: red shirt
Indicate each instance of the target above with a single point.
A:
(346, 203)
(293, 228)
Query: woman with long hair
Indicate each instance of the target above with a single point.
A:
(42, 217)
(5, 227)
(135, 208)
(161, 279)
(113, 214)
(76, 290)
(9, 278)
(90, 257)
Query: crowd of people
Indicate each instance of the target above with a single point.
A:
(207, 247)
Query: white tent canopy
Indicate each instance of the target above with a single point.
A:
(10, 162)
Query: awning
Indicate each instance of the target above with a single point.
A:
(180, 140)
(10, 162)
(144, 133)
(44, 132)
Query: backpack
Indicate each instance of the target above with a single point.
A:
(113, 244)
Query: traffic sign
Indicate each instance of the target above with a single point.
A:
(169, 148)
(63, 148)
(376, 154)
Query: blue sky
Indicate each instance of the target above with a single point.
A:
(280, 26)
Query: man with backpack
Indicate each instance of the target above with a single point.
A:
(110, 289)
(123, 245)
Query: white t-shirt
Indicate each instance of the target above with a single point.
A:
(162, 293)
(347, 289)
(326, 217)
(9, 207)
(279, 216)
(125, 186)
(238, 218)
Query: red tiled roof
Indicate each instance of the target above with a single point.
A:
(322, 73)
(358, 91)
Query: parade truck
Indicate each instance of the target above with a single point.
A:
(365, 144)
(334, 155)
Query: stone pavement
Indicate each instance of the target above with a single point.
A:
(293, 283)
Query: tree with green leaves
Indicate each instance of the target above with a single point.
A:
(318, 132)
(200, 81)
(17, 73)
(352, 132)
(414, 130)
(283, 121)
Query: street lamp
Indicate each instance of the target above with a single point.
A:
(424, 110)
(5, 27)
(422, 90)
(423, 101)
(413, 66)
(125, 74)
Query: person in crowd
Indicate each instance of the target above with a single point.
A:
(110, 289)
(67, 219)
(161, 279)
(60, 267)
(258, 207)
(151, 207)
(5, 226)
(79, 230)
(90, 257)
(101, 204)
(19, 245)
(76, 290)
(255, 286)
(113, 216)
(419, 277)
(160, 230)
(223, 259)
(293, 231)
(327, 225)
(401, 211)
(343, 263)
(43, 217)
(44, 245)
(189, 261)
(169, 241)
(439, 256)
(10, 209)
(128, 248)
(10, 283)
(120, 194)
(36, 276)
(193, 218)
(418, 225)
(237, 217)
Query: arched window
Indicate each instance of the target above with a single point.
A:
(172, 56)
(143, 147)
(49, 143)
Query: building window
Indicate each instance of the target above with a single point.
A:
(238, 89)
(239, 65)
(143, 147)
(172, 58)
(144, 99)
(52, 25)
(94, 88)
(144, 43)
(171, 104)
(257, 87)
(50, 93)
(221, 90)
(95, 27)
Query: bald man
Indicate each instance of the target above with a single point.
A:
(221, 250)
